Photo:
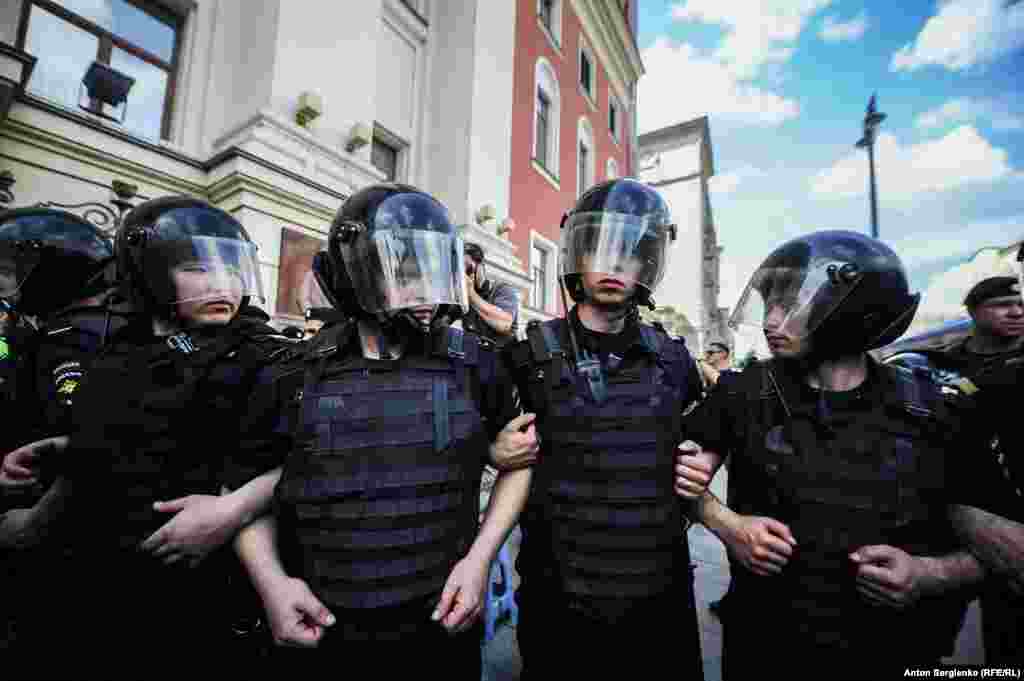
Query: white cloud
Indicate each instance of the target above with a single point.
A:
(964, 33)
(961, 157)
(756, 32)
(943, 297)
(681, 84)
(962, 109)
(834, 31)
(723, 184)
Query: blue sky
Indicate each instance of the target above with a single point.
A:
(785, 84)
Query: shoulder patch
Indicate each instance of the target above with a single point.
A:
(66, 379)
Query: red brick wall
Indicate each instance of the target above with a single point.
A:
(534, 203)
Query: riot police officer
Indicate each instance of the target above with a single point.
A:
(842, 470)
(604, 559)
(142, 467)
(57, 270)
(386, 424)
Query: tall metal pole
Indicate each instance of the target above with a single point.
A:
(874, 196)
(872, 119)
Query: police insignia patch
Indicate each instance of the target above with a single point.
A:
(66, 379)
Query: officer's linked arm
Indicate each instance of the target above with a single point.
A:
(463, 598)
(254, 498)
(516, 445)
(24, 528)
(296, 616)
(996, 541)
(494, 316)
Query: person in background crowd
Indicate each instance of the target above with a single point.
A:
(493, 306)
(716, 360)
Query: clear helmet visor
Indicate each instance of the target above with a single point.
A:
(397, 269)
(203, 269)
(627, 246)
(794, 299)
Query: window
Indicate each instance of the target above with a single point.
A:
(545, 9)
(584, 156)
(586, 70)
(549, 17)
(138, 38)
(546, 118)
(543, 115)
(385, 159)
(584, 160)
(613, 118)
(539, 292)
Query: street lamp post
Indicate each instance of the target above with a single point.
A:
(872, 119)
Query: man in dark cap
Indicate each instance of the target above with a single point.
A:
(991, 362)
(996, 307)
(493, 306)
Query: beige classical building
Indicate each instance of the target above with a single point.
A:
(679, 161)
(273, 110)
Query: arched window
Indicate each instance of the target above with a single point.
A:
(611, 169)
(546, 115)
(584, 155)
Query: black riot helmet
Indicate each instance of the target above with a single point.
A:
(619, 227)
(164, 237)
(392, 247)
(50, 258)
(844, 290)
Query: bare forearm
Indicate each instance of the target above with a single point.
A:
(507, 500)
(717, 517)
(951, 572)
(256, 546)
(494, 316)
(253, 499)
(996, 541)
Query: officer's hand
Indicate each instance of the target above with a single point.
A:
(514, 449)
(297, 618)
(202, 523)
(762, 545)
(21, 467)
(464, 596)
(887, 576)
(694, 470)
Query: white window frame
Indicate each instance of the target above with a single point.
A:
(554, 35)
(585, 138)
(546, 80)
(541, 242)
(591, 94)
(611, 169)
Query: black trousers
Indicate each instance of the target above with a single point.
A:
(1002, 622)
(420, 652)
(658, 637)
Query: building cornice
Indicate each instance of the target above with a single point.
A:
(156, 168)
(608, 34)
